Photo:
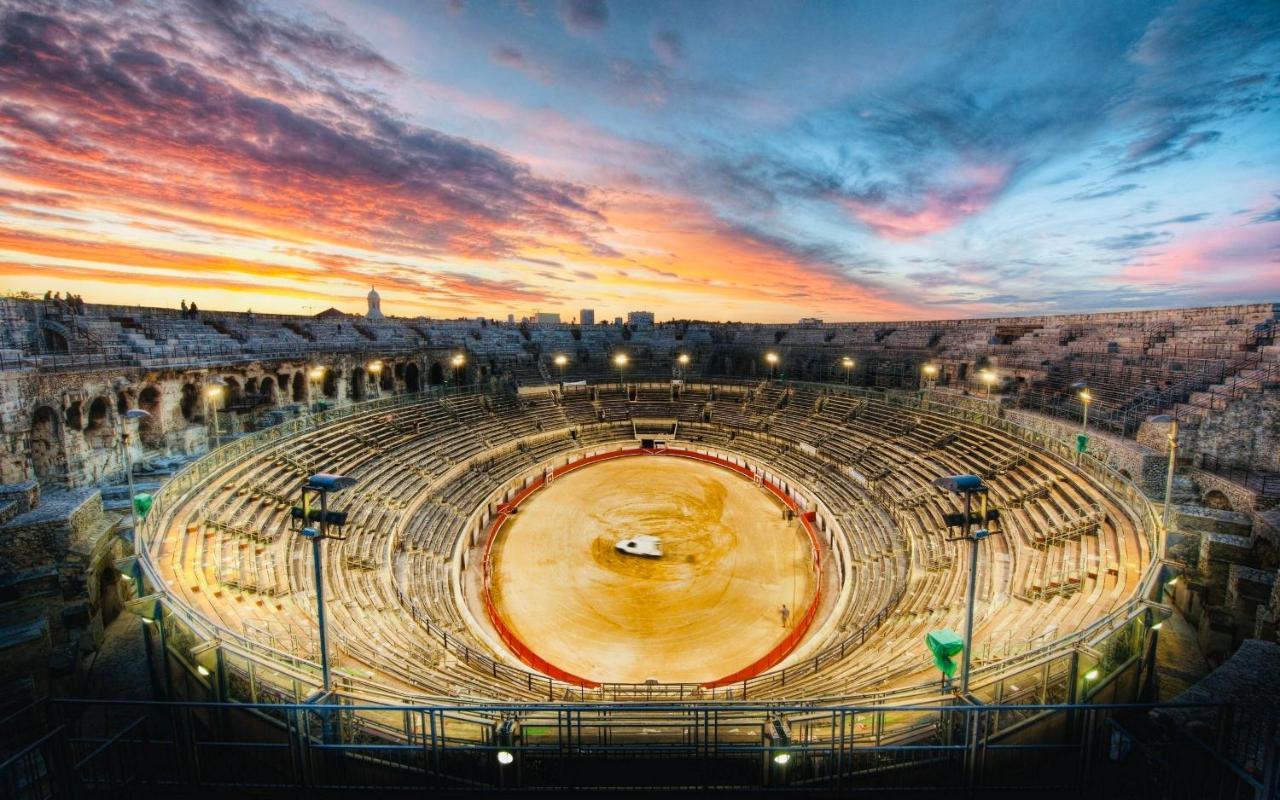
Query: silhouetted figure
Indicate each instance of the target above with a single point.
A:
(184, 308)
(785, 613)
(195, 312)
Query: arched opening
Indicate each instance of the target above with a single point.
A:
(190, 405)
(75, 416)
(97, 431)
(48, 459)
(1217, 500)
(387, 380)
(149, 428)
(436, 376)
(412, 381)
(357, 384)
(1124, 473)
(54, 342)
(299, 387)
(267, 390)
(124, 401)
(251, 389)
(330, 385)
(233, 394)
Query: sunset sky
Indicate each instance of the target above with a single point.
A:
(728, 161)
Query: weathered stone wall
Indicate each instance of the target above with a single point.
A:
(1246, 433)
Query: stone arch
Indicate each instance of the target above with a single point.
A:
(412, 378)
(299, 387)
(267, 389)
(330, 384)
(435, 376)
(1216, 500)
(150, 429)
(190, 405)
(97, 429)
(48, 456)
(233, 394)
(75, 416)
(357, 384)
(251, 388)
(387, 380)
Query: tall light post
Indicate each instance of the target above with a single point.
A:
(560, 360)
(1172, 422)
(457, 362)
(967, 486)
(772, 360)
(212, 396)
(930, 372)
(988, 377)
(847, 363)
(1085, 399)
(314, 526)
(315, 375)
(682, 361)
(375, 369)
(131, 414)
(620, 361)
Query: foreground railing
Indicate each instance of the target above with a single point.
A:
(182, 749)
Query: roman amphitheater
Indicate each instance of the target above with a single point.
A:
(480, 481)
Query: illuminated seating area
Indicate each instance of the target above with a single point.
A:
(1071, 551)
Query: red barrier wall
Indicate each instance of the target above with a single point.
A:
(773, 657)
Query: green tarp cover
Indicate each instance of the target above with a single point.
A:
(142, 504)
(945, 645)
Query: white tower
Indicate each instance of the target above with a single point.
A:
(375, 304)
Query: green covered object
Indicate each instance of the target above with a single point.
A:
(142, 504)
(945, 645)
(1082, 442)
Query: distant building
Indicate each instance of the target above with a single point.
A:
(511, 319)
(640, 319)
(543, 318)
(810, 321)
(375, 304)
(587, 316)
(617, 321)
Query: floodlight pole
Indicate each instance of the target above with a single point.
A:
(1168, 480)
(320, 485)
(972, 597)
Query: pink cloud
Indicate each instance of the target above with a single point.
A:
(969, 191)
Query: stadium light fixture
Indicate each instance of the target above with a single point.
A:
(967, 486)
(560, 360)
(847, 363)
(321, 484)
(127, 457)
(505, 757)
(782, 759)
(683, 359)
(988, 377)
(316, 373)
(1091, 675)
(1172, 422)
(772, 360)
(212, 395)
(375, 366)
(620, 360)
(458, 360)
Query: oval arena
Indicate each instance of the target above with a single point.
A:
(461, 573)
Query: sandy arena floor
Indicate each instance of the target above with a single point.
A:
(707, 608)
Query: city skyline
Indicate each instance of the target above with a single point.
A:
(760, 162)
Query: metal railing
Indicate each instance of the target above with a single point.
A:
(192, 748)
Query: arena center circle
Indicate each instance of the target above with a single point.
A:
(721, 552)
